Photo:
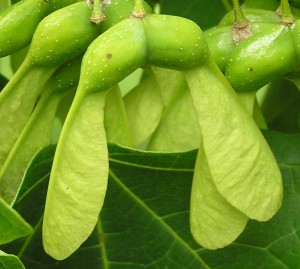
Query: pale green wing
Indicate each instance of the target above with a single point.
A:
(242, 165)
(78, 179)
(214, 222)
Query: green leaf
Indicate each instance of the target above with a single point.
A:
(12, 225)
(285, 96)
(205, 13)
(8, 261)
(145, 219)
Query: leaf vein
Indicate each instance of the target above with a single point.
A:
(150, 167)
(157, 218)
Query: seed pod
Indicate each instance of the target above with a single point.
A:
(221, 44)
(19, 21)
(251, 65)
(63, 35)
(17, 24)
(66, 33)
(189, 48)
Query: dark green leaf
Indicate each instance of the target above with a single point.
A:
(3, 82)
(145, 219)
(205, 13)
(285, 96)
(268, 4)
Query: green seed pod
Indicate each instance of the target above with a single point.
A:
(184, 37)
(17, 24)
(251, 65)
(221, 44)
(63, 35)
(66, 33)
(253, 15)
(19, 21)
(111, 63)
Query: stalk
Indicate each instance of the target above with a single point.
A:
(241, 29)
(97, 13)
(286, 13)
(139, 10)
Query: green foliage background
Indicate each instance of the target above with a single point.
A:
(145, 220)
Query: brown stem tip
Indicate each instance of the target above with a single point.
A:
(241, 31)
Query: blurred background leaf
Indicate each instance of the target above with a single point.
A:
(267, 4)
(8, 261)
(206, 13)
